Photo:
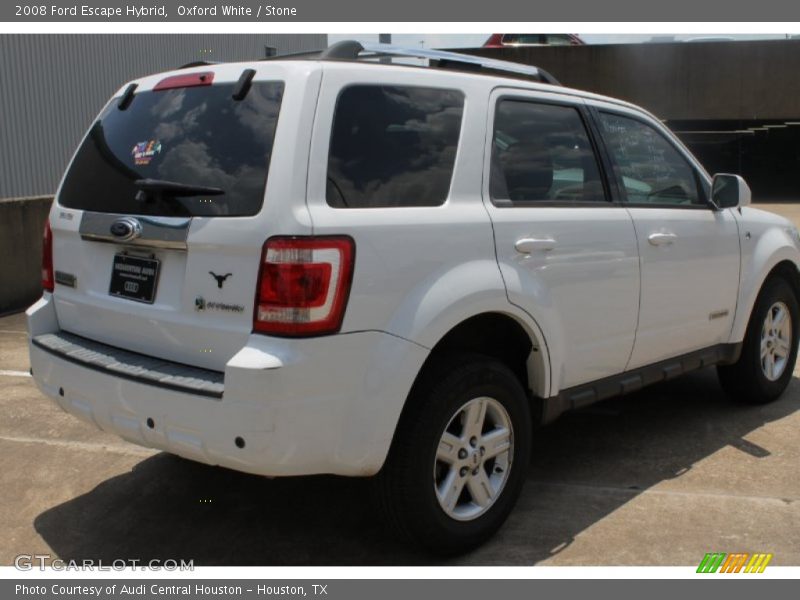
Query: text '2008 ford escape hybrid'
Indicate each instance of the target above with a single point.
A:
(330, 265)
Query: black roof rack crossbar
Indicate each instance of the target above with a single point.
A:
(352, 50)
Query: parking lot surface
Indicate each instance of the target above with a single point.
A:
(659, 477)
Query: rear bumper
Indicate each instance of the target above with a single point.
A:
(289, 407)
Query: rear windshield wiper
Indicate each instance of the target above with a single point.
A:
(161, 188)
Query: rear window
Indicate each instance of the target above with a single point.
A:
(195, 137)
(393, 146)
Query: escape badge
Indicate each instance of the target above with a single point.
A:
(143, 152)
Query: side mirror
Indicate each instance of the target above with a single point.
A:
(729, 191)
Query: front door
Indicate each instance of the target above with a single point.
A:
(689, 251)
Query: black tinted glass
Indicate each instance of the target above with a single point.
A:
(650, 169)
(393, 146)
(197, 136)
(542, 153)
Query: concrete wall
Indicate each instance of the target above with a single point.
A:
(54, 85)
(21, 227)
(753, 80)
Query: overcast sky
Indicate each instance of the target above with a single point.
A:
(468, 40)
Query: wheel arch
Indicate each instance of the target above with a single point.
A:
(787, 270)
(503, 336)
(517, 343)
(482, 333)
(766, 264)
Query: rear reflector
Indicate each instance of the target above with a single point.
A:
(48, 281)
(185, 80)
(303, 285)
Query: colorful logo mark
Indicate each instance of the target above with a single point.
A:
(743, 562)
(143, 152)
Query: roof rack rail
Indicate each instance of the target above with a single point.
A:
(352, 50)
(441, 59)
(198, 63)
(303, 54)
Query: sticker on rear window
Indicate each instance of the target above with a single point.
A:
(143, 152)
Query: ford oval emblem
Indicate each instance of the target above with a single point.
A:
(126, 229)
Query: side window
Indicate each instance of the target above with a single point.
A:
(542, 153)
(393, 146)
(651, 169)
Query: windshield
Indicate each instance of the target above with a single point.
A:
(196, 138)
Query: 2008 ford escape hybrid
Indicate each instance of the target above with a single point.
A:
(330, 265)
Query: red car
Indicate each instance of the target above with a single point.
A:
(504, 40)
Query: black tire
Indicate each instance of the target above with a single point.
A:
(745, 380)
(406, 483)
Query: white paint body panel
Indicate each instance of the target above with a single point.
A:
(584, 292)
(767, 240)
(325, 405)
(689, 286)
(331, 404)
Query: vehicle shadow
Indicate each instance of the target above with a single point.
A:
(167, 507)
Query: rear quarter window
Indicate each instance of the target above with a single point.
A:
(393, 146)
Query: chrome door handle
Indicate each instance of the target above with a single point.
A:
(528, 245)
(661, 239)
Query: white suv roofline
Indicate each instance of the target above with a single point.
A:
(347, 52)
(350, 50)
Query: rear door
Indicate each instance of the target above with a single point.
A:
(567, 253)
(161, 217)
(689, 250)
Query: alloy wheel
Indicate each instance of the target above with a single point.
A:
(473, 459)
(776, 341)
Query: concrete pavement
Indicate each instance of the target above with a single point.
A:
(656, 478)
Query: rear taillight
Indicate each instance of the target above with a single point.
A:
(303, 285)
(48, 281)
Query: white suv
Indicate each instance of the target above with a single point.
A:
(333, 265)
